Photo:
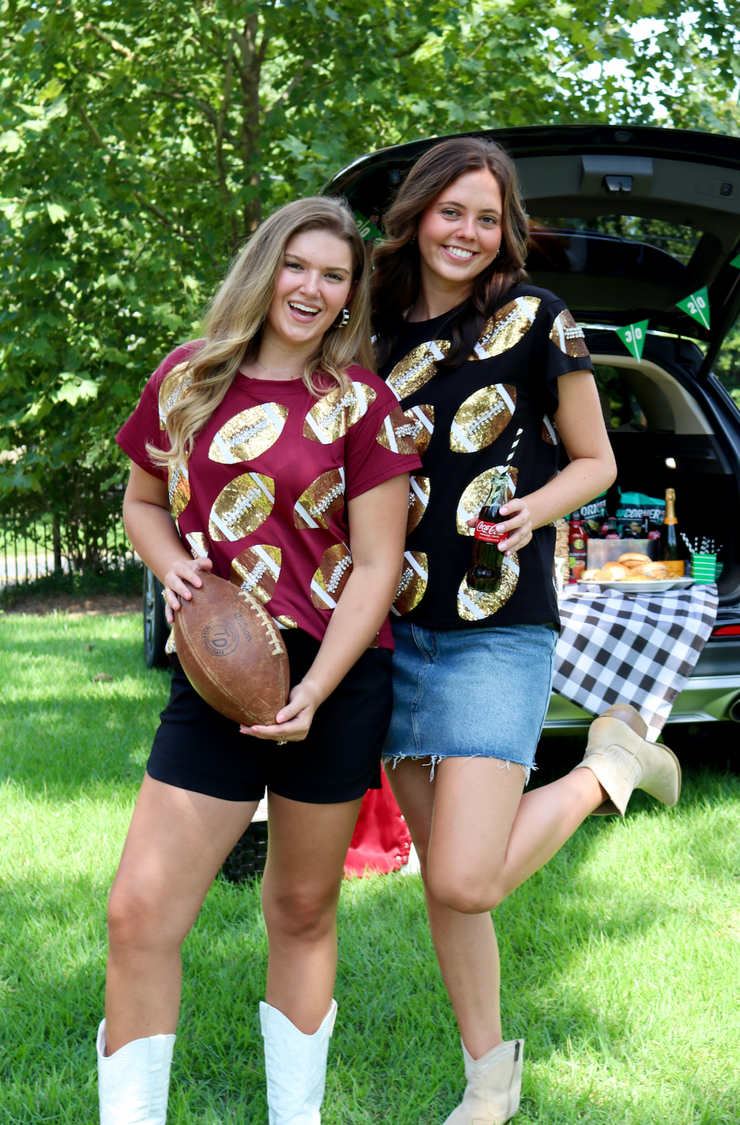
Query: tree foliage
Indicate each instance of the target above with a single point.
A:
(141, 141)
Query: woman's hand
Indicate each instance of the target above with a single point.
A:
(518, 526)
(180, 573)
(294, 721)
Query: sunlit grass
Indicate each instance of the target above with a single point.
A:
(620, 959)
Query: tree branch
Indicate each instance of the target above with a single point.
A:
(284, 96)
(90, 127)
(110, 42)
(165, 221)
(207, 110)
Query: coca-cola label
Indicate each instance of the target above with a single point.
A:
(487, 533)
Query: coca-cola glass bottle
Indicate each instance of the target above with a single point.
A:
(486, 563)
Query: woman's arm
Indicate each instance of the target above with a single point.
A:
(151, 529)
(377, 524)
(591, 469)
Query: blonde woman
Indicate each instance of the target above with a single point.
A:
(274, 448)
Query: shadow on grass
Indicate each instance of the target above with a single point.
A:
(52, 968)
(63, 732)
(395, 1053)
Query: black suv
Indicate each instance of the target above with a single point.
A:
(626, 222)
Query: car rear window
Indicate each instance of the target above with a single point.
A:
(626, 246)
(619, 406)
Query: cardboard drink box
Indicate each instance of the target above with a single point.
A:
(601, 551)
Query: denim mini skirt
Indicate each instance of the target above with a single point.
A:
(465, 693)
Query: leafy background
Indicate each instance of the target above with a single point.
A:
(141, 142)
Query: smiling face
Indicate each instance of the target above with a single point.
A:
(459, 233)
(314, 283)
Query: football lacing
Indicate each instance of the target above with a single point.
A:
(338, 572)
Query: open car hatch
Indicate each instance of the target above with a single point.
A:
(632, 220)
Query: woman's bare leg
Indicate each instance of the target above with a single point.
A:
(488, 838)
(472, 840)
(300, 890)
(465, 944)
(175, 845)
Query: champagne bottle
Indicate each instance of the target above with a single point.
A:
(670, 548)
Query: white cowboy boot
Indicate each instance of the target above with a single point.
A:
(295, 1067)
(134, 1082)
(621, 760)
(494, 1086)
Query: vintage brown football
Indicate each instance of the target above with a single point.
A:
(232, 652)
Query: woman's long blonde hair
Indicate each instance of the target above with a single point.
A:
(236, 316)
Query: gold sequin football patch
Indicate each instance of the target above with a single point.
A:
(482, 418)
(421, 420)
(397, 433)
(413, 584)
(549, 433)
(476, 494)
(474, 605)
(417, 368)
(331, 577)
(568, 336)
(419, 489)
(241, 507)
(333, 414)
(174, 385)
(286, 621)
(198, 544)
(506, 327)
(178, 488)
(257, 570)
(313, 508)
(248, 434)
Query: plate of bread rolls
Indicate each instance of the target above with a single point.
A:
(633, 572)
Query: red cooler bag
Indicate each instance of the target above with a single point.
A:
(381, 841)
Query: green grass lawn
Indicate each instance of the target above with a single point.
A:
(621, 959)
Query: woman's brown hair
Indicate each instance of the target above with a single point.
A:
(396, 278)
(235, 319)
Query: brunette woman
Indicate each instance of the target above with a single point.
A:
(266, 453)
(492, 374)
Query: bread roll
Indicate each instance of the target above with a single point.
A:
(654, 570)
(612, 572)
(618, 568)
(588, 575)
(634, 558)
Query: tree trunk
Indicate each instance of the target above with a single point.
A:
(249, 63)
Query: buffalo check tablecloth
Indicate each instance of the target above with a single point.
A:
(631, 648)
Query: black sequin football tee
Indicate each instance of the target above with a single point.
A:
(464, 423)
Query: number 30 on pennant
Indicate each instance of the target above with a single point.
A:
(633, 337)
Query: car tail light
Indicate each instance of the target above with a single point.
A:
(727, 631)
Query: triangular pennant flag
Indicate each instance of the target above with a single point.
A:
(633, 337)
(736, 262)
(697, 305)
(367, 229)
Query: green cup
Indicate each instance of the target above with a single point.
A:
(704, 569)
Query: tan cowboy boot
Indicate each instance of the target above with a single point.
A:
(494, 1086)
(621, 760)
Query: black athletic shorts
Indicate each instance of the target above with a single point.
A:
(198, 749)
